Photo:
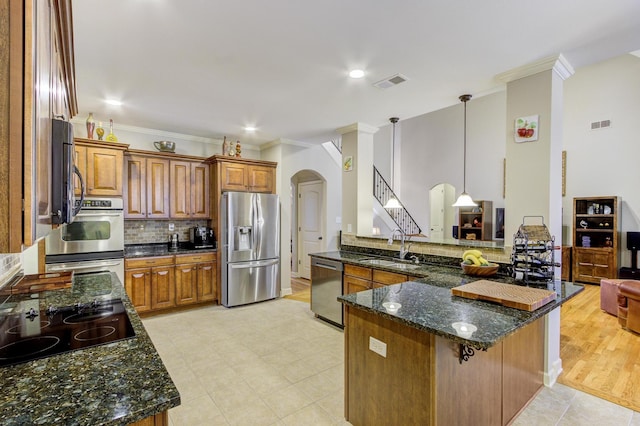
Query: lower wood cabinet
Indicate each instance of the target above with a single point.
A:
(590, 265)
(195, 278)
(359, 278)
(164, 282)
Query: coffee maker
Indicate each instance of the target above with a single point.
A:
(202, 237)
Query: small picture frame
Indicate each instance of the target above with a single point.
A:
(347, 164)
(526, 128)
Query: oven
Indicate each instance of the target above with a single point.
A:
(93, 242)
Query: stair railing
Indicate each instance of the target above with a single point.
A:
(383, 192)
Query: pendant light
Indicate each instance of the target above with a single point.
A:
(392, 203)
(465, 200)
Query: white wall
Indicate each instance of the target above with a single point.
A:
(142, 138)
(293, 158)
(432, 153)
(605, 161)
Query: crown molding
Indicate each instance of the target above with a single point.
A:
(291, 142)
(359, 127)
(558, 64)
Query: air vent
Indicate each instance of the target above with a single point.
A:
(600, 124)
(394, 80)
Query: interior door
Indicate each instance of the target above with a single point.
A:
(310, 225)
(436, 215)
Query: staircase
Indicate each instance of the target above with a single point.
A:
(382, 192)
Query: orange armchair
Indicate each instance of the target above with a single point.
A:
(629, 305)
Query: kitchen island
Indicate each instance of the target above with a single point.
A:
(409, 365)
(117, 383)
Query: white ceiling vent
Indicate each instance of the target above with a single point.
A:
(600, 124)
(394, 80)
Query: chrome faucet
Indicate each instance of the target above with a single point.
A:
(403, 237)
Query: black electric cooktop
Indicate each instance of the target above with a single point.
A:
(32, 334)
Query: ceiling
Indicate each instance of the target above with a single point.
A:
(209, 68)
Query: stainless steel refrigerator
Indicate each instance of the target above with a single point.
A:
(250, 247)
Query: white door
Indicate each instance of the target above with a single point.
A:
(436, 215)
(310, 224)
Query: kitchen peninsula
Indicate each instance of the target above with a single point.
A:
(406, 364)
(120, 383)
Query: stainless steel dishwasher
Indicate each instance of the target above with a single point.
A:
(326, 286)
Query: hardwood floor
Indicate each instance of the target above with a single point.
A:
(301, 290)
(598, 356)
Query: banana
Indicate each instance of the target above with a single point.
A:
(476, 253)
(483, 261)
(473, 258)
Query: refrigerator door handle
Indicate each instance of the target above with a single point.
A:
(254, 264)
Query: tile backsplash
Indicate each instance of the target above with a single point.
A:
(157, 231)
(8, 266)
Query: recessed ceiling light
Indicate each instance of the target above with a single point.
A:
(250, 129)
(356, 73)
(113, 102)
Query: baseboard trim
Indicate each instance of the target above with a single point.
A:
(551, 376)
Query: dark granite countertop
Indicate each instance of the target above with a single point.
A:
(112, 384)
(160, 249)
(432, 307)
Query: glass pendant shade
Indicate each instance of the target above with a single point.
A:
(392, 203)
(464, 200)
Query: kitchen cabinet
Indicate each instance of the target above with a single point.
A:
(596, 238)
(356, 278)
(37, 82)
(189, 190)
(195, 278)
(100, 164)
(150, 282)
(164, 282)
(476, 223)
(238, 174)
(146, 187)
(359, 278)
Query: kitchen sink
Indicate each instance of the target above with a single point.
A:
(390, 263)
(378, 262)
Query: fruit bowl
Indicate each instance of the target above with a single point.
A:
(165, 146)
(480, 271)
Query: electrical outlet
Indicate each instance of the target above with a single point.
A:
(377, 346)
(171, 227)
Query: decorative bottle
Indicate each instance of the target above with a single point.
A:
(238, 149)
(91, 125)
(111, 137)
(100, 131)
(225, 146)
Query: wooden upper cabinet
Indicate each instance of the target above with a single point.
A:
(180, 189)
(261, 178)
(146, 187)
(242, 175)
(200, 190)
(100, 164)
(189, 189)
(233, 177)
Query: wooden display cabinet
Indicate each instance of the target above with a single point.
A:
(596, 238)
(468, 230)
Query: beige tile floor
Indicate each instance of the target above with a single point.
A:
(273, 363)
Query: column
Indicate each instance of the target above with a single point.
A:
(534, 168)
(357, 178)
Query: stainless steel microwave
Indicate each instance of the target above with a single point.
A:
(63, 168)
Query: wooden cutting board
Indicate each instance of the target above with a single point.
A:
(510, 295)
(43, 282)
